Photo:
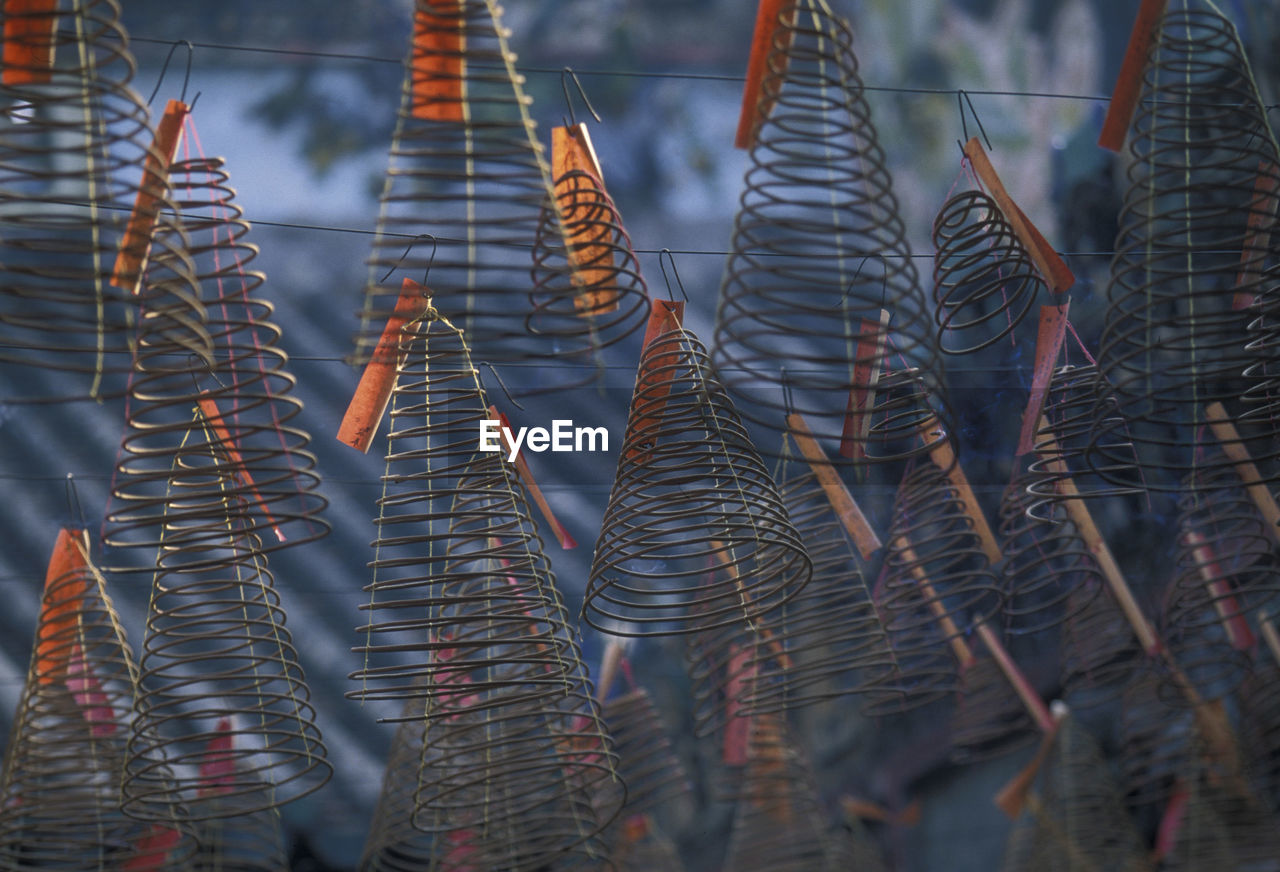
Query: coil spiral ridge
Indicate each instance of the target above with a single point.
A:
(989, 719)
(247, 394)
(658, 788)
(1172, 341)
(587, 291)
(1157, 745)
(817, 205)
(984, 281)
(73, 147)
(232, 838)
(695, 535)
(67, 746)
(464, 615)
(1100, 654)
(466, 170)
(1049, 574)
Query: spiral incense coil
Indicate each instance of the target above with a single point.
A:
(230, 839)
(1049, 573)
(1157, 744)
(587, 292)
(984, 281)
(466, 170)
(1078, 402)
(1260, 731)
(695, 535)
(779, 823)
(1172, 340)
(73, 147)
(654, 776)
(246, 398)
(393, 845)
(799, 292)
(60, 805)
(938, 583)
(853, 848)
(990, 720)
(642, 847)
(1100, 653)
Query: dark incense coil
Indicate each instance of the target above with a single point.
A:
(466, 169)
(73, 147)
(1173, 340)
(1100, 653)
(392, 844)
(246, 841)
(984, 281)
(799, 292)
(1157, 744)
(1049, 573)
(1078, 403)
(695, 535)
(654, 776)
(246, 396)
(60, 793)
(587, 292)
(989, 719)
(1260, 731)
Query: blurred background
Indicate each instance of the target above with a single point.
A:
(300, 99)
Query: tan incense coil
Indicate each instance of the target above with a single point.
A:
(1174, 338)
(1078, 403)
(74, 145)
(247, 397)
(655, 778)
(467, 170)
(818, 251)
(779, 823)
(1049, 574)
(695, 535)
(393, 845)
(230, 838)
(60, 797)
(463, 613)
(984, 280)
(989, 719)
(1100, 653)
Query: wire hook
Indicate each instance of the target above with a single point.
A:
(884, 281)
(74, 506)
(186, 78)
(435, 246)
(964, 124)
(788, 403)
(680, 284)
(566, 74)
(501, 384)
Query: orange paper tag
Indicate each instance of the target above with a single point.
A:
(135, 248)
(1053, 328)
(868, 362)
(55, 642)
(530, 483)
(1239, 634)
(29, 28)
(226, 446)
(437, 67)
(737, 728)
(664, 317)
(1115, 127)
(756, 102)
(364, 412)
(587, 237)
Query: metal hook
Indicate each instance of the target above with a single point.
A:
(207, 365)
(186, 79)
(564, 86)
(74, 506)
(964, 125)
(502, 384)
(435, 246)
(788, 403)
(884, 281)
(680, 284)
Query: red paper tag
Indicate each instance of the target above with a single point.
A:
(437, 66)
(58, 620)
(737, 728)
(1129, 83)
(226, 446)
(29, 28)
(1053, 328)
(664, 317)
(756, 103)
(868, 363)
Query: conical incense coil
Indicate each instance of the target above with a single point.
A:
(60, 804)
(1225, 570)
(587, 292)
(467, 170)
(1157, 744)
(695, 535)
(393, 845)
(246, 397)
(989, 719)
(799, 292)
(647, 764)
(984, 280)
(1260, 731)
(1173, 340)
(778, 823)
(1100, 653)
(1049, 573)
(1078, 403)
(74, 147)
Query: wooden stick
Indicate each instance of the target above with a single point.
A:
(59, 620)
(755, 102)
(964, 654)
(135, 246)
(1052, 330)
(588, 242)
(1238, 454)
(1224, 602)
(1030, 698)
(775, 647)
(866, 378)
(945, 459)
(1115, 127)
(851, 517)
(531, 484)
(228, 453)
(609, 664)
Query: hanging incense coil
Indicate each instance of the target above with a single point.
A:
(1259, 700)
(60, 795)
(1173, 340)
(74, 145)
(467, 171)
(1049, 573)
(1203, 839)
(587, 292)
(817, 205)
(655, 779)
(464, 614)
(695, 535)
(778, 823)
(1157, 744)
(246, 841)
(247, 396)
(1100, 653)
(852, 847)
(393, 845)
(989, 719)
(984, 281)
(1078, 402)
